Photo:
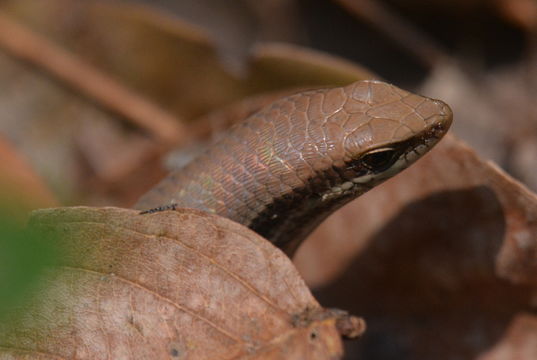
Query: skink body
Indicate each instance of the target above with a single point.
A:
(286, 168)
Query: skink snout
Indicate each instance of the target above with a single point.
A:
(446, 115)
(442, 121)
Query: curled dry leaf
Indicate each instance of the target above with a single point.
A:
(171, 285)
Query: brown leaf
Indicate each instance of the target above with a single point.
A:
(178, 284)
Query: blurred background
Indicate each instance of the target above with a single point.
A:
(99, 99)
(189, 58)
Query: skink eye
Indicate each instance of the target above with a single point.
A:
(379, 159)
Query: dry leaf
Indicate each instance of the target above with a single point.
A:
(178, 284)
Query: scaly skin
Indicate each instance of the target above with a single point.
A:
(286, 168)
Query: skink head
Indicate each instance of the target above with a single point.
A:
(384, 130)
(348, 140)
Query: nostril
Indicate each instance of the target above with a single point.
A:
(445, 110)
(445, 113)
